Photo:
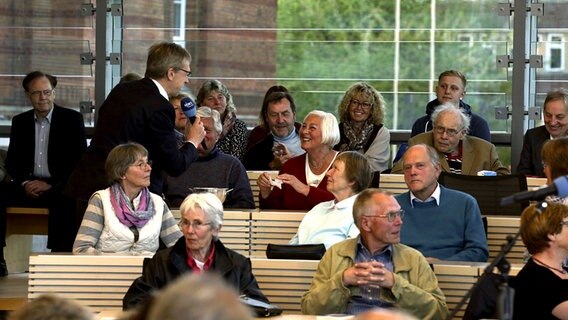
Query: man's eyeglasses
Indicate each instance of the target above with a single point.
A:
(188, 72)
(564, 223)
(364, 105)
(142, 164)
(448, 131)
(195, 224)
(389, 215)
(46, 93)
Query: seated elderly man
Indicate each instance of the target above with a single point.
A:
(441, 223)
(199, 250)
(374, 269)
(213, 169)
(459, 153)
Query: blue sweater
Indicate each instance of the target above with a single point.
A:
(451, 231)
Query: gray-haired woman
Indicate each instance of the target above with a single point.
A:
(200, 250)
(126, 217)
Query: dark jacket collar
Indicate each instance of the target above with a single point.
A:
(431, 106)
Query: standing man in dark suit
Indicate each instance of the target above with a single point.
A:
(45, 145)
(555, 126)
(139, 111)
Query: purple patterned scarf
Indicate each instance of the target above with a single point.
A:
(124, 209)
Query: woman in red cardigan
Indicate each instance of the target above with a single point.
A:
(301, 183)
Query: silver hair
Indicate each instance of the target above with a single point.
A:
(206, 112)
(209, 203)
(329, 127)
(449, 107)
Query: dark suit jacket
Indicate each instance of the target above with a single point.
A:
(530, 163)
(477, 155)
(67, 143)
(133, 112)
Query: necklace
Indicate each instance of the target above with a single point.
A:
(562, 271)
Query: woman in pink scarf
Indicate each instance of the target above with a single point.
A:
(126, 217)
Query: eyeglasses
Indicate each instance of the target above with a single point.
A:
(46, 93)
(195, 224)
(448, 131)
(389, 215)
(364, 105)
(564, 223)
(188, 72)
(142, 164)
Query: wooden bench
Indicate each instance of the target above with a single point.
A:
(98, 282)
(535, 183)
(284, 281)
(394, 183)
(253, 176)
(23, 226)
(498, 228)
(272, 227)
(455, 280)
(20, 220)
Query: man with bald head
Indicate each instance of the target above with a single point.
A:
(397, 275)
(442, 223)
(459, 153)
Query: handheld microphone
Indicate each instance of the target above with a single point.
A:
(559, 187)
(190, 110)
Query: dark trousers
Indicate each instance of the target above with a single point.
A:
(61, 228)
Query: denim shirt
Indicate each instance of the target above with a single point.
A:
(368, 297)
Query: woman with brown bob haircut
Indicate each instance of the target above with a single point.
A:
(541, 287)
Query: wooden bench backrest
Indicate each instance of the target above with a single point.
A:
(253, 176)
(498, 228)
(284, 281)
(393, 183)
(272, 227)
(98, 282)
(535, 183)
(455, 281)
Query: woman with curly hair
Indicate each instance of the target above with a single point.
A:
(361, 115)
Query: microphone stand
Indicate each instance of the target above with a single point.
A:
(506, 293)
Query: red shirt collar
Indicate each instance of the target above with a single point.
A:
(208, 262)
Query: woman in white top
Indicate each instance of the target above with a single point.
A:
(332, 221)
(126, 218)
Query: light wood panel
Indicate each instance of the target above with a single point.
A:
(273, 227)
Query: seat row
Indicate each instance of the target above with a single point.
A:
(100, 282)
(248, 232)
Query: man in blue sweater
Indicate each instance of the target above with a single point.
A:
(441, 223)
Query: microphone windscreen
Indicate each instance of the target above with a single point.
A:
(188, 107)
(561, 184)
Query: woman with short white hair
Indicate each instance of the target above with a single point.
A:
(302, 181)
(199, 250)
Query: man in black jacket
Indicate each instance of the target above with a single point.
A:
(45, 145)
(140, 111)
